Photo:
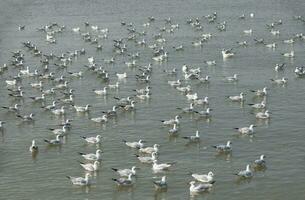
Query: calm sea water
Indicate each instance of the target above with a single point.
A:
(281, 139)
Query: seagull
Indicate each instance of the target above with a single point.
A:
(33, 148)
(81, 108)
(202, 101)
(130, 106)
(171, 121)
(260, 105)
(102, 119)
(11, 82)
(39, 98)
(259, 92)
(100, 92)
(204, 178)
(150, 150)
(279, 67)
(263, 115)
(147, 159)
(204, 113)
(92, 156)
(60, 111)
(135, 145)
(161, 184)
(123, 181)
(50, 107)
(281, 81)
(174, 83)
(224, 147)
(80, 180)
(189, 109)
(162, 166)
(126, 172)
(61, 131)
(27, 117)
(202, 187)
(233, 78)
(121, 76)
(260, 162)
(289, 54)
(93, 140)
(56, 141)
(90, 167)
(227, 53)
(173, 131)
(246, 130)
(193, 138)
(245, 173)
(14, 108)
(239, 98)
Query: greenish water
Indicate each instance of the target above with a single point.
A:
(281, 139)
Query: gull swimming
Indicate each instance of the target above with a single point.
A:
(135, 145)
(199, 188)
(260, 92)
(260, 105)
(100, 92)
(60, 111)
(147, 159)
(281, 81)
(126, 172)
(161, 184)
(224, 147)
(93, 140)
(82, 108)
(162, 166)
(204, 178)
(102, 119)
(263, 115)
(193, 138)
(260, 162)
(246, 130)
(56, 141)
(92, 156)
(80, 180)
(245, 173)
(33, 148)
(123, 181)
(171, 121)
(205, 113)
(239, 98)
(227, 53)
(233, 78)
(150, 150)
(90, 167)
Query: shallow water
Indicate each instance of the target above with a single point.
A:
(280, 139)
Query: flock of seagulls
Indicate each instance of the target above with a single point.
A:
(52, 84)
